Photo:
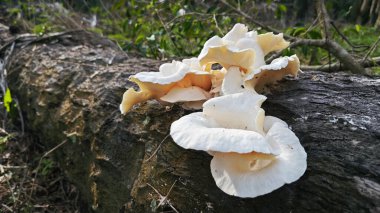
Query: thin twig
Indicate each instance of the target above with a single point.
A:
(216, 24)
(54, 148)
(108, 12)
(167, 30)
(337, 66)
(7, 207)
(346, 39)
(312, 26)
(12, 192)
(13, 167)
(40, 161)
(371, 49)
(156, 150)
(253, 20)
(164, 199)
(188, 14)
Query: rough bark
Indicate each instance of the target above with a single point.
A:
(70, 87)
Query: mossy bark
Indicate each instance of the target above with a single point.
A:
(70, 88)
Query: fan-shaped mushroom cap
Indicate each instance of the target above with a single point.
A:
(231, 123)
(275, 71)
(175, 75)
(254, 174)
(171, 72)
(237, 48)
(179, 94)
(270, 42)
(195, 131)
(241, 48)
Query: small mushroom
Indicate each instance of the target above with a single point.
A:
(176, 76)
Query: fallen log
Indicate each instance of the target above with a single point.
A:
(70, 87)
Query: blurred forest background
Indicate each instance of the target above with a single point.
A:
(167, 29)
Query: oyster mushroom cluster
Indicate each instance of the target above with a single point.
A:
(253, 154)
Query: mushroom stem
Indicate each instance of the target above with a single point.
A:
(233, 81)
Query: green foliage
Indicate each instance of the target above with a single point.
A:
(7, 100)
(41, 29)
(4, 140)
(358, 35)
(170, 29)
(46, 166)
(281, 9)
(358, 28)
(376, 70)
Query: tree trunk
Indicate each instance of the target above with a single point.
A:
(70, 87)
(364, 11)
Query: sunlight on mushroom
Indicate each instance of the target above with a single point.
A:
(273, 72)
(241, 48)
(176, 76)
(254, 174)
(246, 50)
(253, 154)
(237, 48)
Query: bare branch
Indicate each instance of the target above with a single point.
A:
(324, 18)
(334, 48)
(373, 62)
(346, 39)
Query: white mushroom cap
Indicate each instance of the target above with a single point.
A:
(176, 76)
(273, 72)
(270, 42)
(171, 72)
(231, 123)
(179, 94)
(241, 48)
(195, 131)
(277, 64)
(255, 174)
(237, 48)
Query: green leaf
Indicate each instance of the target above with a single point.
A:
(282, 8)
(7, 100)
(358, 28)
(314, 34)
(5, 139)
(298, 31)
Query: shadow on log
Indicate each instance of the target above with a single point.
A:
(70, 87)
